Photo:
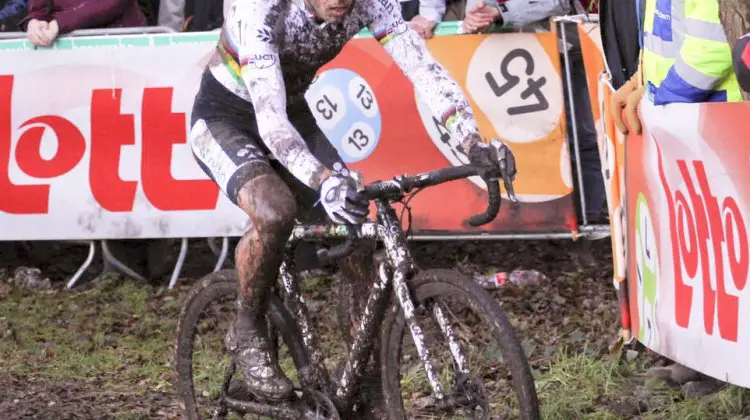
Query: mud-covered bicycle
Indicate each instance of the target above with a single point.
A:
(418, 293)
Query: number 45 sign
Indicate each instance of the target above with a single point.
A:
(346, 110)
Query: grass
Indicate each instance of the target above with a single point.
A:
(109, 334)
(117, 338)
(580, 386)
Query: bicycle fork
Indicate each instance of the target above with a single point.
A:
(397, 251)
(406, 302)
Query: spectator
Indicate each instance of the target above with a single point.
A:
(431, 12)
(686, 56)
(193, 15)
(172, 14)
(680, 63)
(742, 61)
(11, 13)
(49, 18)
(621, 40)
(482, 14)
(409, 9)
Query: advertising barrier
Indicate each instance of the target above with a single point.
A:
(612, 152)
(93, 134)
(687, 206)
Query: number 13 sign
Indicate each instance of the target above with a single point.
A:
(346, 110)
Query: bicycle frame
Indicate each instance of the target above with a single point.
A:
(393, 274)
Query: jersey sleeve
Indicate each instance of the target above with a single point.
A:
(251, 28)
(436, 87)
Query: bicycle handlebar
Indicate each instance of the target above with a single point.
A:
(397, 187)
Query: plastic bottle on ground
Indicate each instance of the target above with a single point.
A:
(520, 278)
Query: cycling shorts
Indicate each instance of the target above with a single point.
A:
(226, 144)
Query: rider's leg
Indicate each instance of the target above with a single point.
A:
(228, 152)
(271, 208)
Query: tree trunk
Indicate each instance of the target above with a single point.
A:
(735, 17)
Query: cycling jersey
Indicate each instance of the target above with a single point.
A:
(270, 50)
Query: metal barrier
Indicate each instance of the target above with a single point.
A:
(99, 32)
(585, 231)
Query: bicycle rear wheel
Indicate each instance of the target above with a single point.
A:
(448, 300)
(206, 298)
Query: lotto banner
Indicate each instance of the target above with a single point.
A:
(687, 205)
(93, 134)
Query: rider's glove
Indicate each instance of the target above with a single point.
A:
(342, 202)
(497, 156)
(484, 155)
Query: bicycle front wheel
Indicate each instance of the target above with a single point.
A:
(474, 351)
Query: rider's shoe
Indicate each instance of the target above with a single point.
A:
(251, 351)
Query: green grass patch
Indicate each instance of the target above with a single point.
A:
(118, 335)
(584, 386)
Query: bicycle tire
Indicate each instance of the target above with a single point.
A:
(439, 282)
(208, 289)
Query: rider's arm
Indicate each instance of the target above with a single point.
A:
(436, 87)
(250, 25)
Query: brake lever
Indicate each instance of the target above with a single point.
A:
(507, 164)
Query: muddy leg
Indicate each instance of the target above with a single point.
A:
(271, 207)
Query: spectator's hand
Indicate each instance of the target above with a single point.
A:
(479, 17)
(35, 32)
(423, 26)
(631, 109)
(618, 102)
(51, 32)
(627, 98)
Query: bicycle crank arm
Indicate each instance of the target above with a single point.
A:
(309, 404)
(284, 410)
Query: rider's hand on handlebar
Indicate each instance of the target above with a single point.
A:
(341, 201)
(498, 156)
(483, 155)
(507, 163)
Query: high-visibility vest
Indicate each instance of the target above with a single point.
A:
(686, 56)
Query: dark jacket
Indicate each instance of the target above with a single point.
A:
(741, 60)
(620, 29)
(86, 14)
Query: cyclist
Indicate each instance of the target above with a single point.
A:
(253, 134)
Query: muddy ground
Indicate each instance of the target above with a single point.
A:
(104, 349)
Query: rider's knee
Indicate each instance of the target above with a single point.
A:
(270, 204)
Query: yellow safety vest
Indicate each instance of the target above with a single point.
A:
(686, 56)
